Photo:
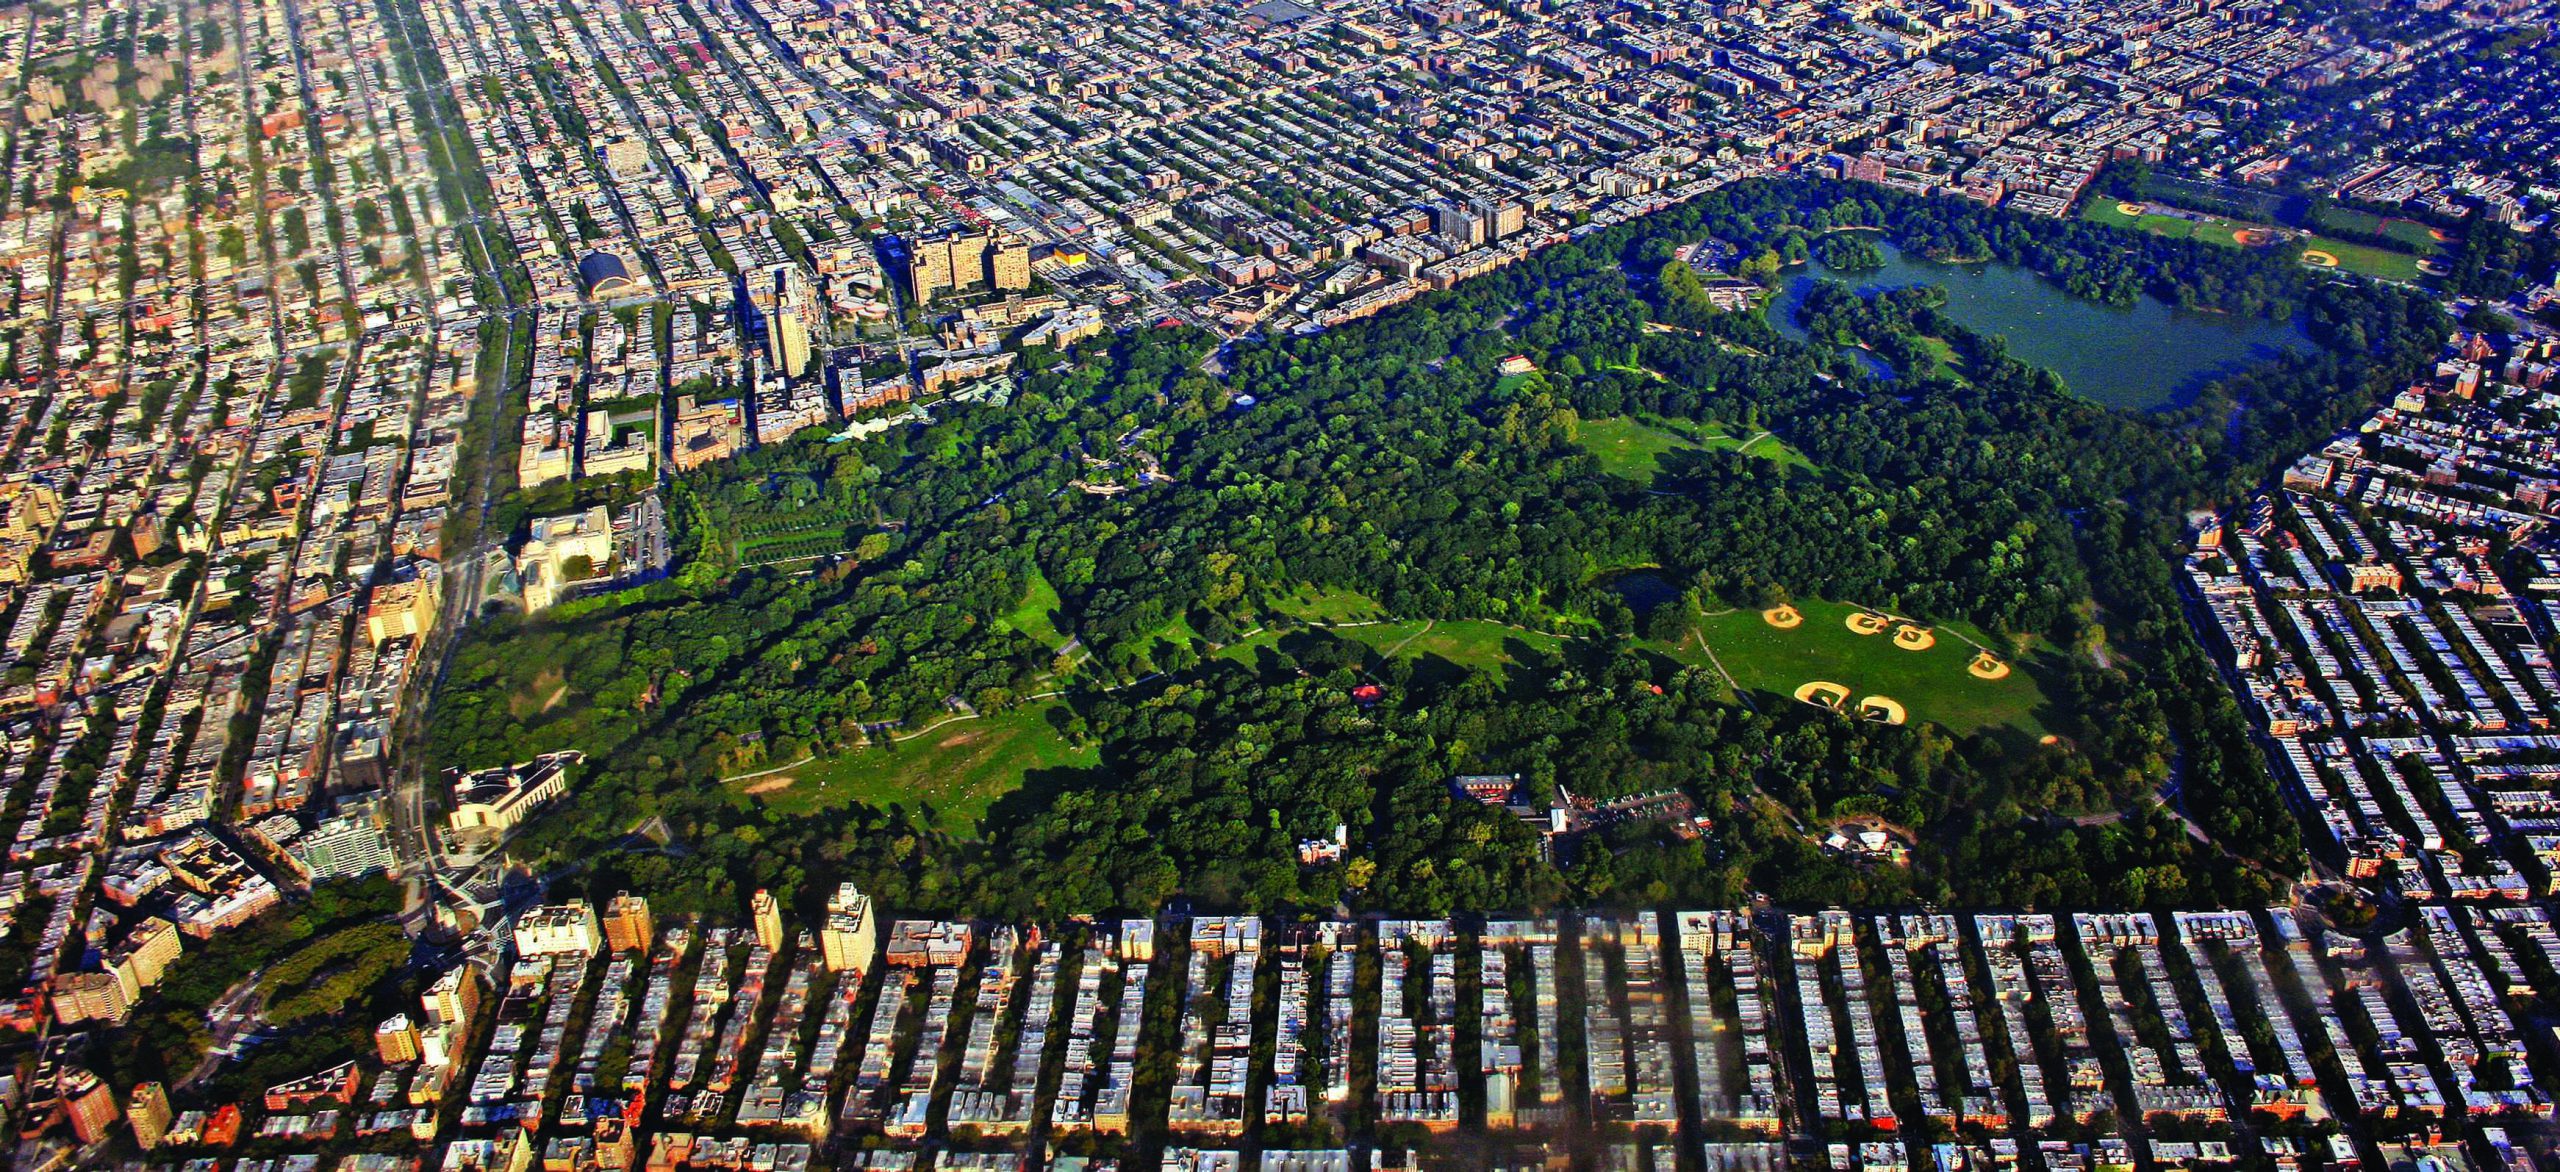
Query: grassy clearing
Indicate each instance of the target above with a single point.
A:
(1468, 643)
(1766, 445)
(2366, 259)
(1629, 448)
(1932, 684)
(1479, 646)
(2105, 211)
(1632, 448)
(2355, 258)
(548, 689)
(1038, 614)
(1465, 643)
(2417, 236)
(1318, 604)
(954, 772)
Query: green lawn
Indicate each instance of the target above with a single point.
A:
(1630, 448)
(1480, 646)
(2105, 211)
(1038, 614)
(955, 771)
(953, 774)
(2354, 258)
(1317, 604)
(2366, 259)
(1944, 353)
(2417, 236)
(1764, 444)
(827, 535)
(1476, 646)
(1933, 684)
(1633, 449)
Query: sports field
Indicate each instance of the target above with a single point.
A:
(2312, 251)
(1931, 684)
(2419, 238)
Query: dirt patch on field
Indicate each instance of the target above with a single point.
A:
(2253, 237)
(956, 740)
(542, 694)
(1823, 693)
(2318, 259)
(771, 784)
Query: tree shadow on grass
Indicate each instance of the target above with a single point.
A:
(1434, 670)
(2046, 672)
(1040, 789)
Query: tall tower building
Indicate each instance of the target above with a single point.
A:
(145, 956)
(79, 997)
(151, 1114)
(784, 299)
(396, 1040)
(768, 916)
(930, 270)
(967, 260)
(1009, 263)
(850, 937)
(453, 999)
(89, 1102)
(1460, 222)
(626, 923)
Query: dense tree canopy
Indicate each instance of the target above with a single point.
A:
(1388, 458)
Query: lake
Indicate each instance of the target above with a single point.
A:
(2152, 354)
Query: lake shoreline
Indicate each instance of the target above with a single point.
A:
(2086, 343)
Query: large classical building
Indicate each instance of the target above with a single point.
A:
(492, 801)
(705, 430)
(561, 552)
